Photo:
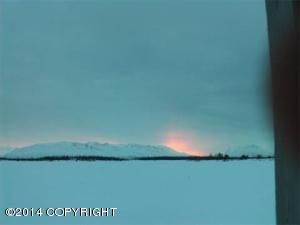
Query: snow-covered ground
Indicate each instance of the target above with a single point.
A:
(152, 192)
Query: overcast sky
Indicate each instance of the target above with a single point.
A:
(128, 71)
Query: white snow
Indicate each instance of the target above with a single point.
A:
(152, 192)
(91, 149)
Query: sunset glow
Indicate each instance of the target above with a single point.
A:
(182, 142)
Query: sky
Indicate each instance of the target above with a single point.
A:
(188, 74)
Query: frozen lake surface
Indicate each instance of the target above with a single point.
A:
(145, 192)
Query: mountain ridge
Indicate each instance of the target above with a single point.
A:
(91, 149)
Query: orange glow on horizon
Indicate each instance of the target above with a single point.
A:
(180, 142)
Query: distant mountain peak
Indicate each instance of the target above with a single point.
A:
(91, 149)
(251, 150)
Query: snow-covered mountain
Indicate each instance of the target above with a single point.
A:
(91, 149)
(5, 149)
(250, 150)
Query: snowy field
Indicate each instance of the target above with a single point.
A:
(153, 192)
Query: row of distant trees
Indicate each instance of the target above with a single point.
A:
(244, 156)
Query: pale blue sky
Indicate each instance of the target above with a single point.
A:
(132, 71)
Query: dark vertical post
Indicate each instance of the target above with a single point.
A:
(283, 26)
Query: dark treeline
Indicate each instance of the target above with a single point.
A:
(219, 157)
